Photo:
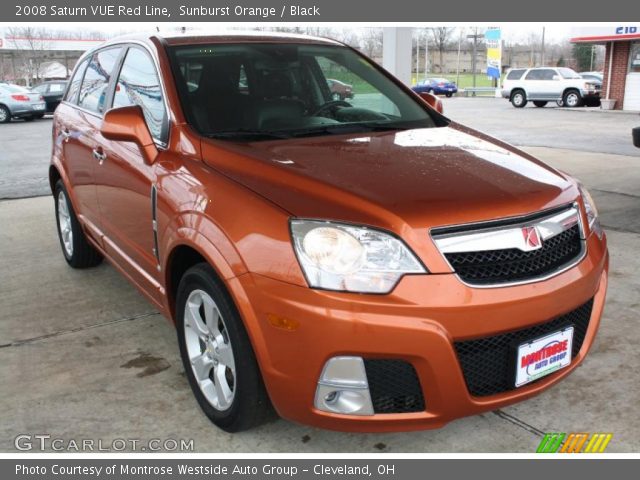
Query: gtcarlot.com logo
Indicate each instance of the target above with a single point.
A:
(574, 443)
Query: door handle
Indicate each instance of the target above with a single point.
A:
(99, 154)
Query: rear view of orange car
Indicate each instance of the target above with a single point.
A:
(356, 262)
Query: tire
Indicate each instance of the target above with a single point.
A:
(449, 94)
(5, 114)
(518, 99)
(28, 119)
(539, 103)
(560, 103)
(77, 250)
(572, 99)
(39, 116)
(228, 385)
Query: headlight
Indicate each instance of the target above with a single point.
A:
(343, 257)
(591, 211)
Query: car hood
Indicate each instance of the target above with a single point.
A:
(419, 178)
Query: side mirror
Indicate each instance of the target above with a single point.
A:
(433, 101)
(636, 136)
(127, 124)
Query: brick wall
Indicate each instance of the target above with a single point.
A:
(618, 72)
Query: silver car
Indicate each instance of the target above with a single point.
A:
(20, 102)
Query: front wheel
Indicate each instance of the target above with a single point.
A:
(572, 99)
(217, 355)
(77, 250)
(449, 94)
(539, 103)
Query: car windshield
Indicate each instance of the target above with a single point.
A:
(260, 91)
(568, 73)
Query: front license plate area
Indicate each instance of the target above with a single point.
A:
(540, 357)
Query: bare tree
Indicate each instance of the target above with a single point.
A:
(31, 43)
(441, 39)
(371, 44)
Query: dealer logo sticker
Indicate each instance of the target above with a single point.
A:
(574, 443)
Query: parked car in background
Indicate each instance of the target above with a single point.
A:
(544, 84)
(360, 268)
(437, 86)
(20, 102)
(635, 134)
(339, 90)
(52, 91)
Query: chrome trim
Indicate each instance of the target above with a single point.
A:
(503, 237)
(154, 223)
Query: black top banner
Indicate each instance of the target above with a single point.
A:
(316, 11)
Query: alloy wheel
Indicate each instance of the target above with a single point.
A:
(64, 222)
(209, 350)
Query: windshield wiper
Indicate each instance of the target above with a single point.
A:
(336, 129)
(239, 133)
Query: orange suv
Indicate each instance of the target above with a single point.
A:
(363, 264)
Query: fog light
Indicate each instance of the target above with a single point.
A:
(343, 388)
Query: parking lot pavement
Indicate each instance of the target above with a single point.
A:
(586, 129)
(25, 151)
(83, 355)
(25, 147)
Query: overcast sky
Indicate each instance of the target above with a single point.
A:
(512, 32)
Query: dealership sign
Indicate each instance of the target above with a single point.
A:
(493, 40)
(607, 33)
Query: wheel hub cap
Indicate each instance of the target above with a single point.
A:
(64, 222)
(209, 350)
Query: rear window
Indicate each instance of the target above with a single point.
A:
(93, 92)
(515, 74)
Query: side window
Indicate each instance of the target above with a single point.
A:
(547, 74)
(533, 75)
(515, 74)
(93, 93)
(138, 84)
(74, 84)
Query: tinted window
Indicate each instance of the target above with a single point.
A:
(93, 93)
(533, 75)
(259, 91)
(138, 84)
(74, 85)
(547, 74)
(515, 74)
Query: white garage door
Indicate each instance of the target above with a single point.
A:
(632, 88)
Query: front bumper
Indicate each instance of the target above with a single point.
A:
(295, 330)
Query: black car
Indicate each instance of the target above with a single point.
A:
(52, 91)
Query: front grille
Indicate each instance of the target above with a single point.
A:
(513, 265)
(394, 386)
(488, 364)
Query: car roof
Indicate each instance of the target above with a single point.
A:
(203, 37)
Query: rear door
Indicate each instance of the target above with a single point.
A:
(550, 84)
(533, 84)
(125, 183)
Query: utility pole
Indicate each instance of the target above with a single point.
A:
(426, 54)
(417, 58)
(475, 36)
(542, 49)
(458, 67)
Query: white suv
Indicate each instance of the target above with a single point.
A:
(544, 84)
